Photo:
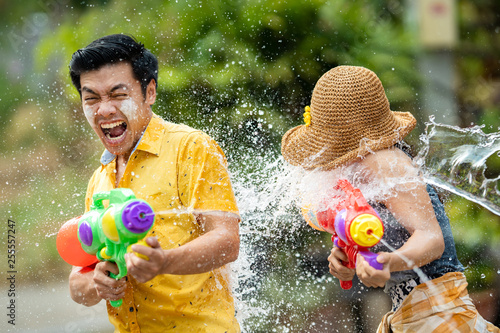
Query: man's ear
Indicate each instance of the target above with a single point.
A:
(151, 92)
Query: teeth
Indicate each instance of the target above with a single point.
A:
(111, 125)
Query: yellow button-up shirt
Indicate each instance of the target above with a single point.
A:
(178, 171)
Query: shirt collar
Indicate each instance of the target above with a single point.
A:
(150, 141)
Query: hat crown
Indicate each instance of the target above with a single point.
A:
(348, 95)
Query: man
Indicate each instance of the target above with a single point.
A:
(182, 174)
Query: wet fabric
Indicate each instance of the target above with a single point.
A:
(442, 305)
(178, 171)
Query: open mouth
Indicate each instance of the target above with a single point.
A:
(114, 131)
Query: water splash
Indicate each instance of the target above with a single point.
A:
(270, 193)
(455, 159)
(266, 200)
(273, 278)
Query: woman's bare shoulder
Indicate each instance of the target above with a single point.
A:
(391, 161)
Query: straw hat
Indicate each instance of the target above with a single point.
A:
(349, 117)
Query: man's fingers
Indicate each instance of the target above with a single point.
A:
(110, 294)
(153, 242)
(109, 288)
(107, 266)
(145, 249)
(140, 269)
(102, 274)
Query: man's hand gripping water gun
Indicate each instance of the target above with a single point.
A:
(355, 226)
(110, 232)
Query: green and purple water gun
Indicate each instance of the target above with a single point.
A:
(109, 232)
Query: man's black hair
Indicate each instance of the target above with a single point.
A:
(113, 49)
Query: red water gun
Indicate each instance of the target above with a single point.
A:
(355, 226)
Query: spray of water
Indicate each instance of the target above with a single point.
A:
(267, 204)
(455, 159)
(269, 199)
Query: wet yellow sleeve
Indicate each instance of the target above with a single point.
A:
(204, 182)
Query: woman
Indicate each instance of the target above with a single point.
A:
(350, 126)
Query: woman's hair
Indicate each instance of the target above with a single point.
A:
(406, 148)
(113, 49)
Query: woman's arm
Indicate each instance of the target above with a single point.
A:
(410, 204)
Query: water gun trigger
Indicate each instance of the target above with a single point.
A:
(104, 255)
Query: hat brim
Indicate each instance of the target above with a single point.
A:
(301, 146)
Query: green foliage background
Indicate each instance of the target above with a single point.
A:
(243, 72)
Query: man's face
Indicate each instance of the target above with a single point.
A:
(115, 107)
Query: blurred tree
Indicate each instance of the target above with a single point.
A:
(478, 64)
(243, 71)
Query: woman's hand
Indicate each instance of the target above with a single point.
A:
(370, 276)
(337, 267)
